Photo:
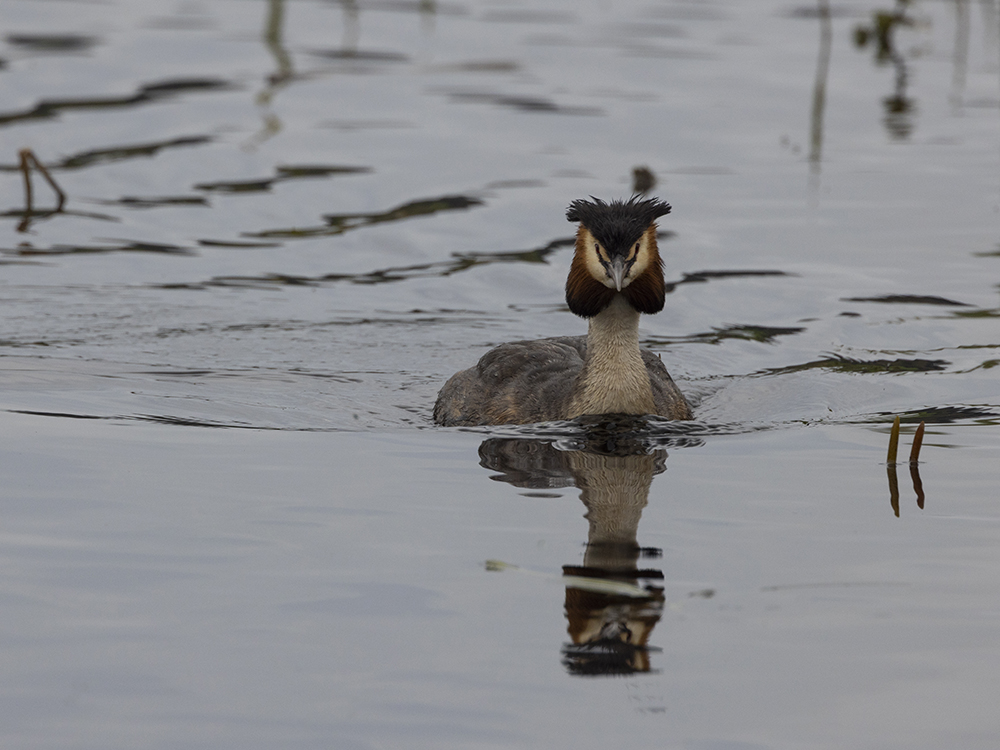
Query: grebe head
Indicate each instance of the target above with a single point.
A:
(616, 253)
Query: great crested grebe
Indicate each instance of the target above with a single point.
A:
(616, 274)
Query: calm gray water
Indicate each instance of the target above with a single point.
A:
(227, 518)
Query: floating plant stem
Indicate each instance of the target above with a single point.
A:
(26, 174)
(29, 160)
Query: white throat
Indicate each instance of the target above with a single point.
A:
(614, 378)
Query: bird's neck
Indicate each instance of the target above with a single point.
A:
(614, 379)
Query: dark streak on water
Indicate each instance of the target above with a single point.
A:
(442, 269)
(909, 299)
(146, 94)
(283, 173)
(53, 42)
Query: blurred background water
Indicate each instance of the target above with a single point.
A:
(292, 221)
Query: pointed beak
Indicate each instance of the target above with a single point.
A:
(617, 271)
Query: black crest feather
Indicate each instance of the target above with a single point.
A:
(617, 224)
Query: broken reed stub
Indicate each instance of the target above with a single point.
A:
(918, 440)
(893, 442)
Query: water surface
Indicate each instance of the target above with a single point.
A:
(290, 222)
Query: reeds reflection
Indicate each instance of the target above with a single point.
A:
(918, 486)
(284, 72)
(914, 462)
(899, 108)
(819, 87)
(612, 604)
